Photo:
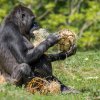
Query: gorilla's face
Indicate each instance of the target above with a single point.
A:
(25, 20)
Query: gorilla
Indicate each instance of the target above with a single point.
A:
(19, 59)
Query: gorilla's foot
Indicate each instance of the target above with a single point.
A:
(65, 89)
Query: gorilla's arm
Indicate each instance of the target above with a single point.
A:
(21, 52)
(54, 57)
(62, 55)
(28, 44)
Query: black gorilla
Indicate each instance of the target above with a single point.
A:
(19, 60)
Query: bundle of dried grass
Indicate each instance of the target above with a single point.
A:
(42, 86)
(40, 36)
(68, 39)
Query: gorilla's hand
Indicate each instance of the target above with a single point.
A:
(72, 50)
(53, 38)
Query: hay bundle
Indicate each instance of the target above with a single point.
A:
(42, 86)
(40, 36)
(67, 40)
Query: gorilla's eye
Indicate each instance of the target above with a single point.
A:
(23, 15)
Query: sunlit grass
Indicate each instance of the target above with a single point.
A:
(81, 71)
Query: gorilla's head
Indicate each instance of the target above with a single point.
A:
(24, 18)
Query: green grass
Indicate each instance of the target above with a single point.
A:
(81, 71)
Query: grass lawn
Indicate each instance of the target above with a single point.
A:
(81, 71)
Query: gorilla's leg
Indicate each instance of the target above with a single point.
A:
(43, 69)
(20, 74)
